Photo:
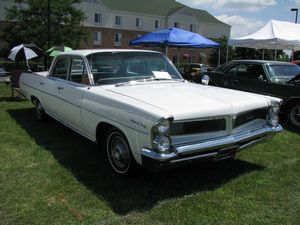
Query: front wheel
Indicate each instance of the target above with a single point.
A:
(293, 114)
(40, 112)
(118, 152)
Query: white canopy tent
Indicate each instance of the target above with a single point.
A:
(274, 35)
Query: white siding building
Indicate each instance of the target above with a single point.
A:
(113, 23)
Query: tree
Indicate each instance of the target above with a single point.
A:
(30, 23)
(223, 41)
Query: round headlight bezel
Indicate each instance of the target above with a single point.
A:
(273, 119)
(161, 140)
(162, 126)
(162, 143)
(275, 106)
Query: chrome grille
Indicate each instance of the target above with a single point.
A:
(194, 127)
(246, 117)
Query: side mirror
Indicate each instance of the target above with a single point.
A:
(205, 80)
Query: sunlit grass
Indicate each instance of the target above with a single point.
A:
(51, 175)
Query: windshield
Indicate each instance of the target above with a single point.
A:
(119, 67)
(284, 72)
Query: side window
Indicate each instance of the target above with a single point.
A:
(78, 71)
(61, 68)
(251, 71)
(232, 70)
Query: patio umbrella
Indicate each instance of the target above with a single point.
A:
(24, 52)
(55, 50)
(174, 37)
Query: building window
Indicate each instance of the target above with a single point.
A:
(157, 24)
(97, 38)
(177, 25)
(118, 39)
(98, 18)
(118, 20)
(192, 27)
(138, 22)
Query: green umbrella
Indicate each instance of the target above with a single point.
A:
(55, 50)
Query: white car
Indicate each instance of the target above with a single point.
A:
(137, 105)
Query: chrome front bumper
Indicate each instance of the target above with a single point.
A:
(209, 148)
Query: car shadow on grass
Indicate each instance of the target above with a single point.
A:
(139, 193)
(12, 99)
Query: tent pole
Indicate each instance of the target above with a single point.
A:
(275, 55)
(167, 50)
(27, 65)
(178, 56)
(263, 54)
(219, 58)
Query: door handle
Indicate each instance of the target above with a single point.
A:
(42, 83)
(60, 88)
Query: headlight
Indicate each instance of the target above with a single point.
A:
(275, 107)
(273, 118)
(162, 127)
(205, 80)
(162, 143)
(161, 140)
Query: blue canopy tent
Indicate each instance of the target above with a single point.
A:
(176, 38)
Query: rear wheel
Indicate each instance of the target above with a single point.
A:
(40, 112)
(293, 113)
(118, 152)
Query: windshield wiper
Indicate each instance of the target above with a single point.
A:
(141, 80)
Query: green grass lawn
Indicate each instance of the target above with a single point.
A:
(51, 175)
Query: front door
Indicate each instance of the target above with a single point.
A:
(70, 88)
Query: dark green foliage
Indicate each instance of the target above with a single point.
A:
(31, 24)
(213, 60)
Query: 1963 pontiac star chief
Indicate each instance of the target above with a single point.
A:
(136, 103)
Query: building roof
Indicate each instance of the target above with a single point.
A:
(204, 16)
(159, 8)
(152, 7)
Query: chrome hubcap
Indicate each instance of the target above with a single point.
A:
(118, 152)
(295, 115)
(39, 110)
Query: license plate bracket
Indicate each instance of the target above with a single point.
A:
(225, 153)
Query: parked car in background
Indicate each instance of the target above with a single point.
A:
(278, 79)
(136, 104)
(3, 71)
(191, 70)
(297, 62)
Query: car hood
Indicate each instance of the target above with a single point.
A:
(185, 100)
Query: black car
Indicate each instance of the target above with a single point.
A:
(278, 79)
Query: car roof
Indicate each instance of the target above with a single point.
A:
(85, 52)
(269, 62)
